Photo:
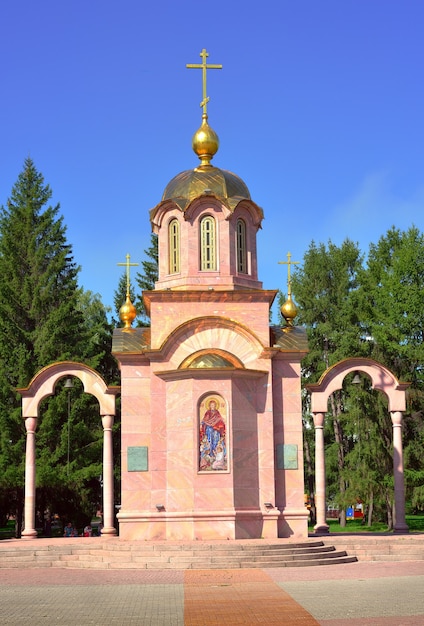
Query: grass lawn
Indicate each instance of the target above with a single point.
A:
(8, 531)
(415, 524)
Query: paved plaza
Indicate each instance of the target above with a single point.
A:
(366, 593)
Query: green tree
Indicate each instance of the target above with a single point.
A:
(393, 286)
(376, 310)
(44, 317)
(393, 305)
(39, 320)
(38, 289)
(325, 288)
(98, 330)
(146, 280)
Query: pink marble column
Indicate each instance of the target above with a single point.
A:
(29, 510)
(400, 525)
(321, 525)
(108, 503)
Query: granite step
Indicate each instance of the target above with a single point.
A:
(139, 555)
(382, 547)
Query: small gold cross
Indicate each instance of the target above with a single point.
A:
(204, 66)
(127, 264)
(289, 263)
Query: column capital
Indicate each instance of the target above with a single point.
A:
(319, 419)
(397, 418)
(107, 422)
(31, 424)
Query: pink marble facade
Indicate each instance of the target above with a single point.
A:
(195, 312)
(226, 276)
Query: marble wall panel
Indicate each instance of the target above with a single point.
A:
(266, 458)
(181, 478)
(248, 476)
(291, 403)
(209, 530)
(180, 440)
(246, 498)
(158, 479)
(143, 529)
(136, 501)
(159, 437)
(158, 497)
(213, 499)
(136, 481)
(134, 439)
(135, 423)
(157, 460)
(179, 530)
(180, 499)
(243, 457)
(177, 459)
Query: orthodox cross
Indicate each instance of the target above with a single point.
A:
(289, 263)
(127, 264)
(204, 66)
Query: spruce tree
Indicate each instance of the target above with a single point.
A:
(41, 320)
(325, 290)
(146, 280)
(393, 297)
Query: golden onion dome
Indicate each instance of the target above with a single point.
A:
(289, 310)
(206, 179)
(205, 142)
(209, 180)
(127, 313)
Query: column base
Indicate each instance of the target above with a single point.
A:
(401, 529)
(321, 529)
(109, 531)
(29, 534)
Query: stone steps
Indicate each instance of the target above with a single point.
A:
(113, 554)
(381, 547)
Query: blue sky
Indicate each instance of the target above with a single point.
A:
(319, 108)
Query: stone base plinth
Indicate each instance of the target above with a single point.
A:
(212, 525)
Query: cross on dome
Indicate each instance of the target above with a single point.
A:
(127, 264)
(204, 66)
(289, 263)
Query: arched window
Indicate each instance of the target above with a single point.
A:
(241, 247)
(174, 246)
(207, 244)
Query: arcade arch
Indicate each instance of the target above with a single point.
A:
(43, 385)
(383, 380)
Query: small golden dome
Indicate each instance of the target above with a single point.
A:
(191, 184)
(127, 313)
(205, 142)
(289, 310)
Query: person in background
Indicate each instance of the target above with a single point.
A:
(69, 531)
(88, 531)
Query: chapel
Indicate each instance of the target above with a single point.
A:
(211, 415)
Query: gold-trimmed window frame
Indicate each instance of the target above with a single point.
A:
(208, 244)
(174, 246)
